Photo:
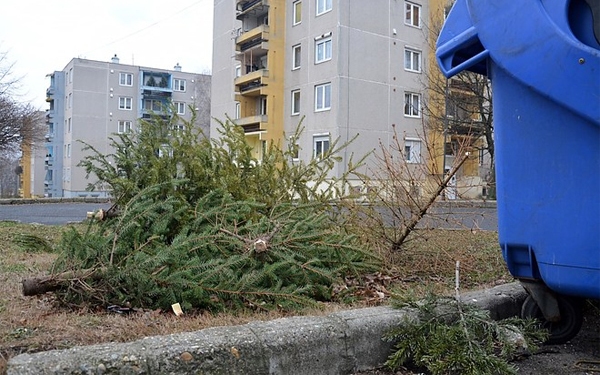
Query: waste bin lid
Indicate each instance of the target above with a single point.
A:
(550, 46)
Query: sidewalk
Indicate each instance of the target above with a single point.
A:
(339, 343)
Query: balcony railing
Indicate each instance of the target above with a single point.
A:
(252, 81)
(252, 38)
(253, 7)
(253, 124)
(467, 127)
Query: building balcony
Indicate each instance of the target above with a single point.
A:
(257, 37)
(156, 82)
(465, 127)
(251, 83)
(49, 160)
(253, 8)
(253, 124)
(49, 137)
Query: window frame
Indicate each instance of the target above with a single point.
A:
(320, 139)
(124, 101)
(323, 43)
(409, 8)
(180, 108)
(238, 110)
(153, 105)
(125, 79)
(408, 62)
(296, 12)
(295, 107)
(124, 126)
(296, 56)
(324, 105)
(412, 150)
(323, 6)
(179, 84)
(409, 109)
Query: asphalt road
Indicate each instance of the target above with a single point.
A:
(473, 217)
(49, 213)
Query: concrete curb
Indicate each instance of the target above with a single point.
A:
(339, 343)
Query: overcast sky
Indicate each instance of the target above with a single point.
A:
(41, 36)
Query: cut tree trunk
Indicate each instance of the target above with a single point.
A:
(44, 284)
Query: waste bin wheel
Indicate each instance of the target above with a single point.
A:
(571, 318)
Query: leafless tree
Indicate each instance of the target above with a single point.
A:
(19, 121)
(460, 106)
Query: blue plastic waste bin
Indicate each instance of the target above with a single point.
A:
(543, 60)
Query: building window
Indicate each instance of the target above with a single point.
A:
(238, 71)
(125, 103)
(293, 148)
(412, 150)
(322, 50)
(412, 104)
(69, 125)
(238, 110)
(125, 79)
(152, 105)
(412, 60)
(70, 100)
(69, 150)
(71, 75)
(178, 84)
(320, 145)
(124, 127)
(295, 102)
(262, 105)
(412, 14)
(481, 156)
(323, 6)
(323, 97)
(180, 106)
(296, 56)
(297, 17)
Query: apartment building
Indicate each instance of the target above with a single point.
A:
(342, 67)
(345, 67)
(91, 101)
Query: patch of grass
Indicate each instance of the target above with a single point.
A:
(13, 268)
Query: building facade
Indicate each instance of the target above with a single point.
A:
(341, 68)
(91, 101)
(338, 66)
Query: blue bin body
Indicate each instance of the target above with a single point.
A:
(543, 59)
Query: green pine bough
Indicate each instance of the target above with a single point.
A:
(446, 336)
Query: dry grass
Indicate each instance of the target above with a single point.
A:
(30, 324)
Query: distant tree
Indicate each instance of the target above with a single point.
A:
(19, 121)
